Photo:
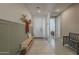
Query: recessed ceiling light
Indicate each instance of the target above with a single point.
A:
(57, 10)
(38, 9)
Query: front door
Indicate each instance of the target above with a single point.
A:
(38, 26)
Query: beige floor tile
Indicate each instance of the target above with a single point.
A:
(53, 47)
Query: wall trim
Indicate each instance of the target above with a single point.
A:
(5, 21)
(4, 53)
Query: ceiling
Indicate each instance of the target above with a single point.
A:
(53, 8)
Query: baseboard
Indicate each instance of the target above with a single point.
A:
(39, 38)
(4, 53)
(59, 38)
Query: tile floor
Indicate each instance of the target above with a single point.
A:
(53, 47)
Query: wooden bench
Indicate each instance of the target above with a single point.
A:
(72, 40)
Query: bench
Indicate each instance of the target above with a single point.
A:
(72, 40)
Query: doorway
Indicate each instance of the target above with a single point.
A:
(39, 26)
(52, 28)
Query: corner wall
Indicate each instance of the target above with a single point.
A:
(70, 20)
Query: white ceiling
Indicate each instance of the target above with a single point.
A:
(47, 8)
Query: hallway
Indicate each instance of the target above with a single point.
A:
(42, 47)
(50, 22)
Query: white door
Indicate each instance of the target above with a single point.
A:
(38, 26)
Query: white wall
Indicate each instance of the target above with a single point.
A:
(48, 18)
(70, 20)
(58, 27)
(13, 12)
